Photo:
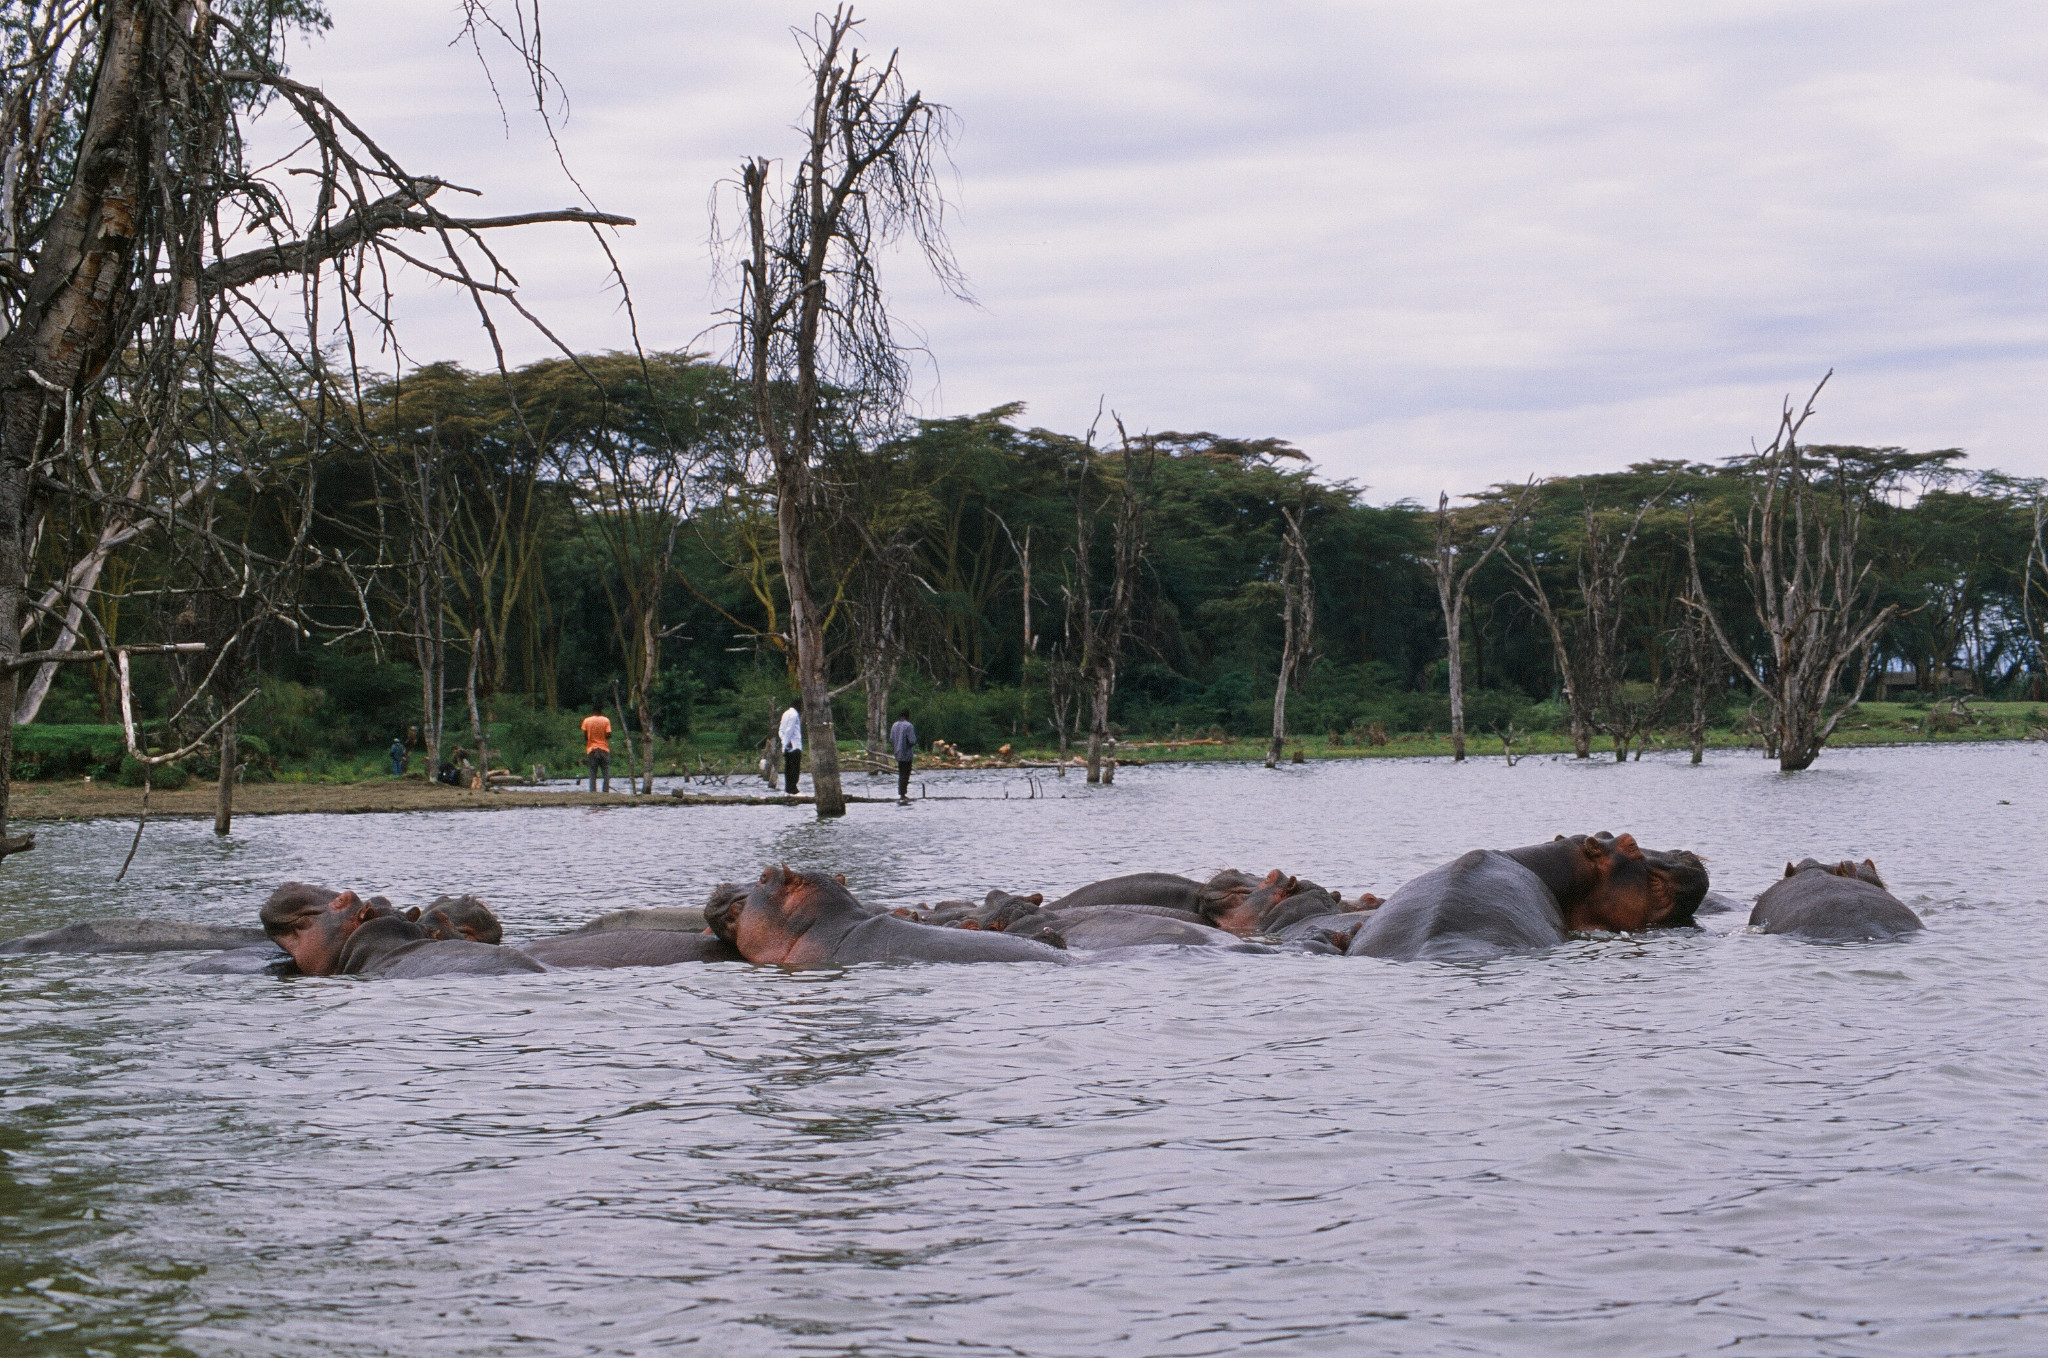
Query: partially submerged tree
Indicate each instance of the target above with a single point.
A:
(1101, 614)
(1811, 593)
(814, 335)
(1298, 622)
(1453, 564)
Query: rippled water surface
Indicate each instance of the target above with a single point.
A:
(1694, 1143)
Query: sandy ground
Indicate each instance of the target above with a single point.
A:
(83, 801)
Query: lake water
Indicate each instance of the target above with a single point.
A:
(1702, 1142)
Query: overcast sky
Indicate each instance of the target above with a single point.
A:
(1435, 245)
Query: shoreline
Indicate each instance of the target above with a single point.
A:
(59, 802)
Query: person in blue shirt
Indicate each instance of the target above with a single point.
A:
(398, 757)
(903, 741)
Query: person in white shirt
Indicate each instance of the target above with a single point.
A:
(792, 736)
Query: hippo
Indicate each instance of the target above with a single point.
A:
(332, 933)
(393, 947)
(455, 919)
(996, 911)
(1241, 905)
(797, 919)
(629, 948)
(1495, 901)
(1112, 926)
(121, 935)
(1139, 888)
(684, 918)
(1833, 902)
(265, 960)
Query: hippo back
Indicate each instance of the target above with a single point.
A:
(1139, 888)
(1817, 904)
(1480, 905)
(439, 957)
(1112, 926)
(135, 935)
(629, 948)
(887, 938)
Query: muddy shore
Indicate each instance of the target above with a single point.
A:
(86, 801)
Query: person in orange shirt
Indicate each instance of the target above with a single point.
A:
(597, 745)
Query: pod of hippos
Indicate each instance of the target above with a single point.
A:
(1483, 904)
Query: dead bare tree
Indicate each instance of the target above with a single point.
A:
(1452, 585)
(1812, 599)
(1697, 665)
(1102, 617)
(136, 235)
(814, 335)
(1298, 615)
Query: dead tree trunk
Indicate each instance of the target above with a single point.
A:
(476, 715)
(1451, 587)
(1299, 621)
(811, 313)
(1812, 599)
(224, 799)
(1104, 630)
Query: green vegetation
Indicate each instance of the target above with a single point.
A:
(533, 557)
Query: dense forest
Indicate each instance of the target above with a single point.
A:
(599, 530)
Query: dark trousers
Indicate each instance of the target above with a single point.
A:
(600, 762)
(903, 779)
(792, 764)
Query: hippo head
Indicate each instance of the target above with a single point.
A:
(785, 906)
(722, 911)
(1866, 871)
(314, 924)
(1621, 887)
(1224, 895)
(456, 918)
(1001, 909)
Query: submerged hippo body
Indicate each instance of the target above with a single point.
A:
(263, 959)
(1479, 905)
(133, 936)
(1491, 901)
(628, 948)
(797, 919)
(393, 948)
(1111, 926)
(1139, 888)
(686, 919)
(1833, 902)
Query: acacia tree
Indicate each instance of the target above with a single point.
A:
(135, 233)
(813, 329)
(1453, 583)
(1813, 600)
(639, 439)
(1298, 622)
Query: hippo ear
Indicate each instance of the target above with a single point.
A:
(840, 878)
(1036, 898)
(1789, 869)
(1593, 848)
(1292, 883)
(1337, 896)
(1626, 846)
(413, 914)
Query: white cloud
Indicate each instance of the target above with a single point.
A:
(1434, 245)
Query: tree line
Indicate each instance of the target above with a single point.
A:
(602, 529)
